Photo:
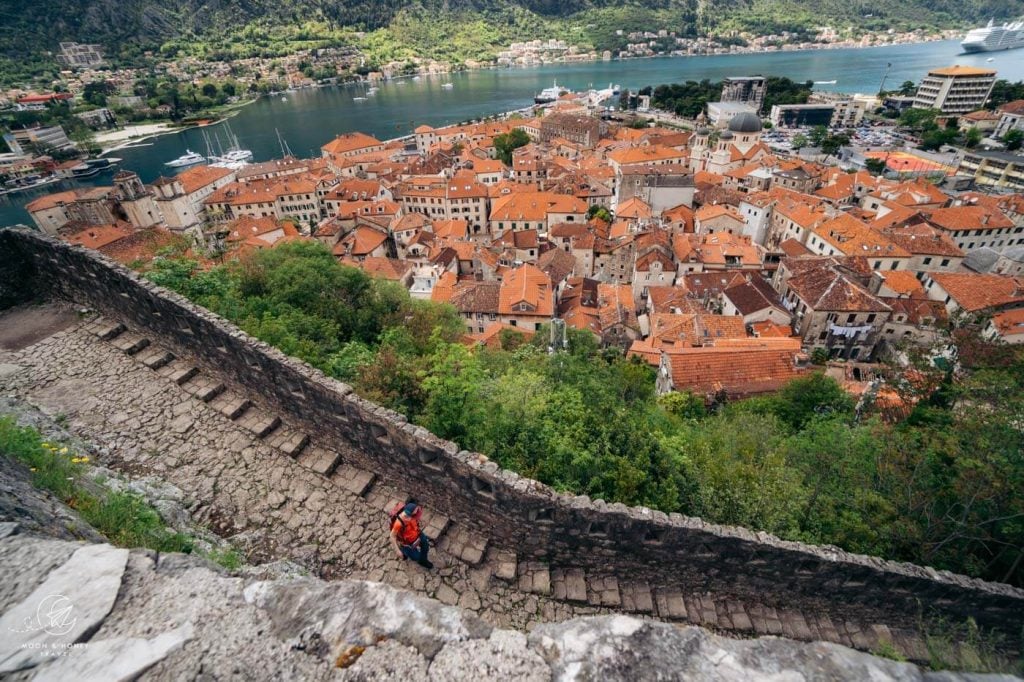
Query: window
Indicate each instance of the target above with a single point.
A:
(927, 261)
(878, 265)
(851, 317)
(945, 262)
(822, 336)
(513, 323)
(871, 318)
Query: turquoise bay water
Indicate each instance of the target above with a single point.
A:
(307, 119)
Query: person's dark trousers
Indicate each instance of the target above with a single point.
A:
(418, 553)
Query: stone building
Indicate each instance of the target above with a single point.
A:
(583, 130)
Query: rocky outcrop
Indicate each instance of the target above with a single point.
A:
(105, 613)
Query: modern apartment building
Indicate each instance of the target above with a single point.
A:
(955, 89)
(746, 89)
(993, 169)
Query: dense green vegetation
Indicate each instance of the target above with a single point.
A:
(941, 488)
(456, 30)
(690, 98)
(124, 518)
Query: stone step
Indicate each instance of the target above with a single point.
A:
(701, 610)
(795, 627)
(637, 598)
(106, 329)
(503, 564)
(356, 481)
(535, 577)
(230, 404)
(204, 387)
(178, 371)
(287, 440)
(764, 619)
(258, 422)
(155, 357)
(670, 603)
(322, 461)
(464, 544)
(569, 584)
(129, 342)
(739, 618)
(603, 591)
(433, 523)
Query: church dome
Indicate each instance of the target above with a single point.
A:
(745, 122)
(703, 131)
(726, 135)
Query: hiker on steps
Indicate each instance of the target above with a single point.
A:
(408, 540)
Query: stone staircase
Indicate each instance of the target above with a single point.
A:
(563, 583)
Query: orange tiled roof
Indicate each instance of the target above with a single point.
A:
(526, 290)
(738, 371)
(974, 292)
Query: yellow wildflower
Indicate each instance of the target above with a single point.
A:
(84, 458)
(63, 451)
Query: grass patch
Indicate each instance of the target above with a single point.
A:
(966, 647)
(125, 519)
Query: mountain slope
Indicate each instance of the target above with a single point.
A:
(28, 28)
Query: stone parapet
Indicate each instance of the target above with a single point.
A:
(515, 514)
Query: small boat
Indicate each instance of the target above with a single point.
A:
(283, 98)
(990, 59)
(29, 182)
(415, 78)
(371, 91)
(189, 158)
(832, 82)
(234, 156)
(358, 99)
(447, 86)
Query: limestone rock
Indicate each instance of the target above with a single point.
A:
(385, 662)
(504, 655)
(66, 608)
(346, 613)
(114, 660)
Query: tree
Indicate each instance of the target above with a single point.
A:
(1013, 139)
(801, 400)
(506, 143)
(599, 212)
(875, 166)
(818, 135)
(908, 88)
(209, 90)
(799, 141)
(972, 138)
(833, 143)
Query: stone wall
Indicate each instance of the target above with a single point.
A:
(515, 513)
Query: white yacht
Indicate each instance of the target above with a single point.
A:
(548, 95)
(189, 158)
(447, 86)
(992, 38)
(234, 156)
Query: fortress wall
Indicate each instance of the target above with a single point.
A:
(514, 513)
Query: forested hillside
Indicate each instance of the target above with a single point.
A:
(126, 26)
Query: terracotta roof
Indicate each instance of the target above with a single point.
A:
(526, 291)
(903, 283)
(194, 179)
(476, 297)
(51, 200)
(557, 264)
(969, 218)
(766, 329)
(350, 142)
(98, 236)
(974, 292)
(823, 288)
(1009, 323)
(739, 371)
(753, 295)
(361, 241)
(444, 288)
(491, 335)
(377, 266)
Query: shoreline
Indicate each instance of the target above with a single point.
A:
(161, 129)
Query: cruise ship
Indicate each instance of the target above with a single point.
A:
(994, 38)
(548, 95)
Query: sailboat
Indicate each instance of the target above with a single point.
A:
(234, 157)
(285, 149)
